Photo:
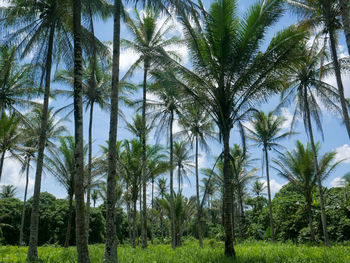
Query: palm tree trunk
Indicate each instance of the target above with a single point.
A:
(144, 157)
(269, 193)
(344, 8)
(309, 211)
(2, 162)
(152, 217)
(129, 221)
(197, 197)
(172, 214)
(32, 254)
(233, 223)
(229, 250)
(81, 237)
(178, 179)
(134, 226)
(110, 255)
(141, 216)
(69, 223)
(24, 202)
(316, 168)
(88, 194)
(339, 81)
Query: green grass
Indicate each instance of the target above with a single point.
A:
(251, 252)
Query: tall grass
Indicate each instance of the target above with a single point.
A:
(190, 252)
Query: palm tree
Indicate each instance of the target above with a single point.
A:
(8, 191)
(16, 85)
(162, 190)
(197, 127)
(344, 9)
(182, 159)
(39, 27)
(259, 188)
(266, 132)
(9, 138)
(167, 104)
(231, 73)
(325, 14)
(31, 132)
(149, 35)
(298, 167)
(94, 197)
(305, 87)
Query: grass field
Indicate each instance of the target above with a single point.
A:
(251, 252)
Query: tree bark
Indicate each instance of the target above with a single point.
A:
(152, 223)
(24, 202)
(172, 212)
(88, 192)
(110, 255)
(316, 169)
(144, 162)
(69, 223)
(2, 162)
(344, 8)
(129, 221)
(32, 254)
(269, 193)
(81, 236)
(309, 211)
(228, 194)
(199, 228)
(339, 81)
(134, 226)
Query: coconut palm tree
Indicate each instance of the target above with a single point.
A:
(10, 138)
(326, 14)
(149, 35)
(344, 9)
(259, 188)
(198, 126)
(309, 91)
(8, 191)
(29, 145)
(267, 132)
(16, 86)
(230, 71)
(298, 167)
(182, 159)
(162, 190)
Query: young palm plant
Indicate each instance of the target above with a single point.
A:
(267, 132)
(298, 168)
(230, 72)
(182, 159)
(149, 35)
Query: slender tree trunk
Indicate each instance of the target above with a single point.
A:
(111, 239)
(172, 212)
(134, 226)
(344, 8)
(88, 194)
(129, 221)
(81, 237)
(141, 216)
(178, 178)
(2, 162)
(316, 170)
(144, 161)
(233, 223)
(152, 217)
(69, 223)
(24, 202)
(199, 228)
(32, 254)
(228, 194)
(269, 193)
(339, 81)
(309, 211)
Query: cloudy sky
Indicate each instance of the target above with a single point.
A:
(336, 138)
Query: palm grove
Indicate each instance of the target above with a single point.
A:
(231, 73)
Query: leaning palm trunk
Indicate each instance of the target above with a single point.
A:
(2, 162)
(32, 254)
(229, 250)
(81, 234)
(172, 212)
(69, 223)
(316, 170)
(344, 8)
(24, 201)
(339, 80)
(88, 192)
(144, 162)
(111, 239)
(269, 193)
(197, 197)
(309, 211)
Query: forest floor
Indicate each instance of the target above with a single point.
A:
(248, 252)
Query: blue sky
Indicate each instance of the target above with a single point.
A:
(335, 134)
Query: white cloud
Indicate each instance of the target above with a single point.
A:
(127, 59)
(4, 3)
(337, 182)
(343, 153)
(285, 112)
(275, 186)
